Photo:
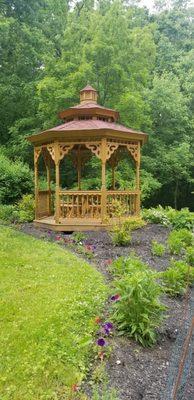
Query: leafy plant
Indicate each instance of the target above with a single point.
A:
(78, 237)
(26, 208)
(7, 213)
(176, 277)
(104, 393)
(120, 235)
(189, 255)
(158, 249)
(180, 219)
(139, 311)
(133, 223)
(16, 179)
(179, 239)
(156, 216)
(127, 265)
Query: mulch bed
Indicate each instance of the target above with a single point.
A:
(136, 372)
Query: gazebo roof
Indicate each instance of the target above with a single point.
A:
(88, 118)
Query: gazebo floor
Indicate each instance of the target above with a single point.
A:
(71, 224)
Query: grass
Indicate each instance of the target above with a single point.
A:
(49, 301)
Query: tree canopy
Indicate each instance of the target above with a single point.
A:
(140, 62)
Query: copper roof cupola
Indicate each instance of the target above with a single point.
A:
(88, 95)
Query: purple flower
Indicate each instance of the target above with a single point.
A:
(101, 342)
(107, 327)
(115, 297)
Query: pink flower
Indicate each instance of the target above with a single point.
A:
(58, 237)
(108, 262)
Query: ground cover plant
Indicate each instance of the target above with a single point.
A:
(168, 216)
(157, 249)
(49, 303)
(178, 240)
(176, 278)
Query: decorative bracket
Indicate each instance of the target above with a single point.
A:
(111, 147)
(95, 149)
(133, 150)
(58, 151)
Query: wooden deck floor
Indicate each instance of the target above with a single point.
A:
(70, 224)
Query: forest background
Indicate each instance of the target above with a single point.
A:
(140, 61)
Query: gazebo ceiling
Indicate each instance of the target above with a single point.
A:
(88, 119)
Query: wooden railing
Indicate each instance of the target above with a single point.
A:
(44, 203)
(87, 204)
(80, 204)
(127, 201)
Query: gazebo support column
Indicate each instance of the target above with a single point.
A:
(138, 181)
(57, 184)
(103, 187)
(48, 173)
(79, 168)
(37, 151)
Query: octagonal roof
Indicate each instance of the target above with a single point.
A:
(88, 119)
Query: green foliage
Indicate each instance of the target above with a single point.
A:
(180, 219)
(26, 208)
(127, 266)
(23, 211)
(50, 299)
(78, 236)
(168, 216)
(7, 213)
(133, 223)
(179, 240)
(189, 255)
(104, 393)
(120, 235)
(156, 216)
(158, 249)
(16, 179)
(139, 311)
(176, 277)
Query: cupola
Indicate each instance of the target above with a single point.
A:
(88, 95)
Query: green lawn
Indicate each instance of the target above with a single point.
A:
(49, 299)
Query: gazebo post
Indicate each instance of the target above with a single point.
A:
(57, 183)
(48, 173)
(79, 168)
(103, 187)
(138, 181)
(37, 152)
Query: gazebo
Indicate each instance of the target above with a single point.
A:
(87, 129)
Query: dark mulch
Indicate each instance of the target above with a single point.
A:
(137, 373)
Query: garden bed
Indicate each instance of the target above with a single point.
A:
(136, 372)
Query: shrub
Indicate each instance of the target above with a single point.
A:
(179, 239)
(158, 249)
(26, 208)
(23, 211)
(169, 216)
(120, 235)
(176, 277)
(16, 179)
(133, 223)
(139, 311)
(127, 265)
(156, 216)
(189, 255)
(8, 213)
(180, 219)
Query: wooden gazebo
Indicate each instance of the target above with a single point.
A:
(88, 129)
